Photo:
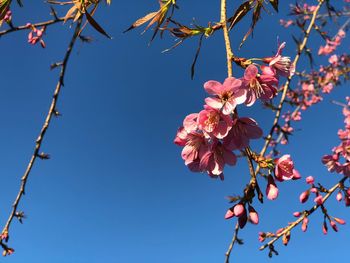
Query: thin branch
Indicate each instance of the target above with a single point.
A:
(52, 111)
(286, 85)
(229, 53)
(306, 214)
(234, 239)
(40, 24)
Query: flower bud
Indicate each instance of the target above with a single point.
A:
(296, 214)
(310, 180)
(253, 216)
(238, 210)
(229, 214)
(304, 225)
(271, 189)
(339, 196)
(319, 200)
(304, 196)
(324, 228)
(339, 221)
(334, 226)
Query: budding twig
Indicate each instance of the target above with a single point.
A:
(305, 214)
(43, 131)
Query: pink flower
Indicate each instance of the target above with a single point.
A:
(215, 158)
(305, 223)
(262, 86)
(190, 122)
(271, 189)
(332, 163)
(227, 95)
(284, 169)
(281, 64)
(242, 131)
(194, 147)
(213, 122)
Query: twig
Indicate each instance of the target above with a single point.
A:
(234, 239)
(223, 21)
(306, 214)
(52, 111)
(287, 83)
(40, 24)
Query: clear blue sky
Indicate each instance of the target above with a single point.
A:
(116, 189)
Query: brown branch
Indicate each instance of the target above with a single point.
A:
(229, 53)
(234, 239)
(40, 24)
(52, 111)
(287, 83)
(305, 214)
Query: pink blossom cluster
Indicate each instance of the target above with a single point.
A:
(332, 44)
(210, 136)
(339, 160)
(35, 35)
(243, 214)
(312, 88)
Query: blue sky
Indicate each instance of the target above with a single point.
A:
(116, 189)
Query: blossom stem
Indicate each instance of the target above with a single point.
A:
(52, 112)
(229, 53)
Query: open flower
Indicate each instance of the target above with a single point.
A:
(284, 169)
(227, 95)
(262, 86)
(215, 158)
(281, 64)
(213, 122)
(242, 131)
(194, 147)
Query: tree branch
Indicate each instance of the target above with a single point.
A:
(52, 111)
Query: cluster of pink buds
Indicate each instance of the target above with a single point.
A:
(240, 212)
(35, 35)
(210, 136)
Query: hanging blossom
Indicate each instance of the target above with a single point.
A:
(282, 65)
(210, 136)
(227, 95)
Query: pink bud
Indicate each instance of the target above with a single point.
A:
(310, 180)
(229, 214)
(334, 226)
(339, 196)
(319, 200)
(296, 214)
(324, 228)
(271, 189)
(279, 231)
(262, 236)
(253, 216)
(304, 196)
(339, 220)
(238, 210)
(304, 225)
(314, 190)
